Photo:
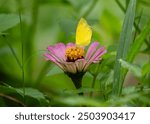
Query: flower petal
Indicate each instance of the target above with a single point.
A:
(96, 57)
(91, 50)
(49, 57)
(69, 45)
(98, 54)
(52, 59)
(58, 51)
(60, 48)
(97, 60)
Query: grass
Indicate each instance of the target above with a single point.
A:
(124, 46)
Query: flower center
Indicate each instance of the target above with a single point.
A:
(73, 53)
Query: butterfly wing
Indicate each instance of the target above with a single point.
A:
(83, 33)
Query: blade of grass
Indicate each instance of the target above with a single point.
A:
(135, 48)
(124, 43)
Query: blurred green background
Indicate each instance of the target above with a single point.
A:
(46, 22)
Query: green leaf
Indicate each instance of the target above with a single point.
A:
(136, 70)
(124, 43)
(34, 93)
(8, 21)
(29, 92)
(146, 69)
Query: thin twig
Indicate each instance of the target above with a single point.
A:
(12, 99)
(121, 6)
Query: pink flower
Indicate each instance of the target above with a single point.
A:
(71, 59)
(57, 54)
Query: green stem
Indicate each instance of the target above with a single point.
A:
(22, 53)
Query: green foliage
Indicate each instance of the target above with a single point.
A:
(32, 97)
(146, 69)
(8, 21)
(28, 27)
(136, 70)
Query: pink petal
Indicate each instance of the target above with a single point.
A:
(97, 60)
(49, 57)
(98, 54)
(52, 59)
(69, 45)
(54, 55)
(91, 50)
(96, 57)
(58, 50)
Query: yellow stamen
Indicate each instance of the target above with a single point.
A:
(73, 53)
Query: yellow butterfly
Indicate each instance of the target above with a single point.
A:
(83, 33)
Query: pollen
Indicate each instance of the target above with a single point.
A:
(74, 53)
